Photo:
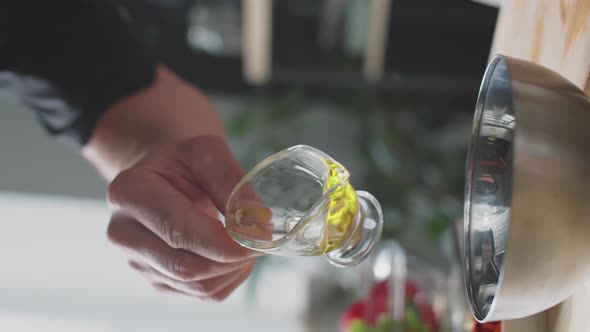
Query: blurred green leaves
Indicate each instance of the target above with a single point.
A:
(241, 123)
(437, 224)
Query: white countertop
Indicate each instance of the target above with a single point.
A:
(60, 274)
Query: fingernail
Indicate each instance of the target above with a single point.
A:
(253, 217)
(254, 253)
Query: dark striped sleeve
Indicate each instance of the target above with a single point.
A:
(70, 60)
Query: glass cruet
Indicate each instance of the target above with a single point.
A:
(299, 202)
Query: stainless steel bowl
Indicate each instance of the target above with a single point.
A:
(527, 198)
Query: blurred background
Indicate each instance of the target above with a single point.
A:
(385, 87)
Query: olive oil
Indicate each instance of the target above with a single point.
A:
(342, 208)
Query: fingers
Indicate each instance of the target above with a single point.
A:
(213, 167)
(179, 264)
(164, 220)
(204, 289)
(225, 292)
(163, 288)
(151, 200)
(158, 285)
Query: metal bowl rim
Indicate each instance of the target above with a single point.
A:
(469, 169)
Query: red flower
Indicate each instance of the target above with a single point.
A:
(377, 304)
(354, 312)
(488, 327)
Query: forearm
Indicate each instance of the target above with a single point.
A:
(169, 110)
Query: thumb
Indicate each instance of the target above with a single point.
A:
(212, 167)
(215, 170)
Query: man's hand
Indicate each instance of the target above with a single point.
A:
(165, 219)
(172, 172)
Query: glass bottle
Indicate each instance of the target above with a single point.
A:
(299, 202)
